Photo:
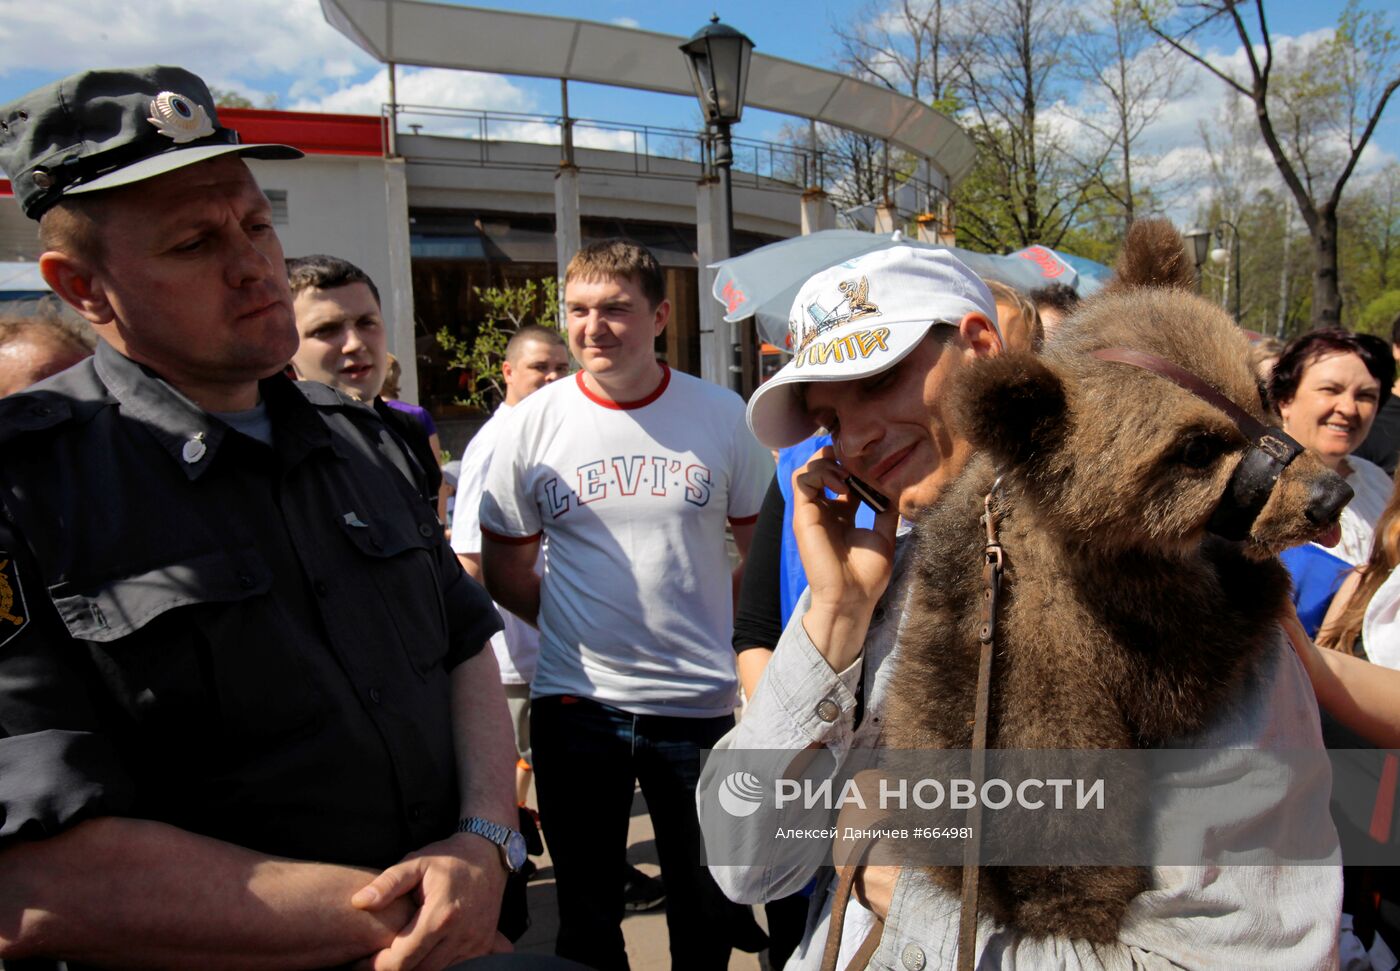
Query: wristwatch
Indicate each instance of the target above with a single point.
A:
(508, 841)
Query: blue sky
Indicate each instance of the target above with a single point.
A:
(285, 49)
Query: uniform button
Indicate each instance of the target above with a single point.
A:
(374, 695)
(415, 812)
(320, 588)
(246, 581)
(912, 957)
(425, 531)
(828, 710)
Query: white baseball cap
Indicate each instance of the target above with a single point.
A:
(858, 318)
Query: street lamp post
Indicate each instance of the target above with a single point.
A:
(1200, 245)
(718, 57)
(1219, 256)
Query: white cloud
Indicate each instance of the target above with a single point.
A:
(1172, 154)
(247, 42)
(434, 87)
(632, 22)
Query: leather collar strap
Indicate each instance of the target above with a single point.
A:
(1251, 427)
(1270, 452)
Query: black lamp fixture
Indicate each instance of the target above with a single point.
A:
(718, 58)
(1200, 248)
(1200, 244)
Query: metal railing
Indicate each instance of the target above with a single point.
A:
(646, 149)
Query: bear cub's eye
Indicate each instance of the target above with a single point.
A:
(1200, 451)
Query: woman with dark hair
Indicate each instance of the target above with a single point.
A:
(1327, 386)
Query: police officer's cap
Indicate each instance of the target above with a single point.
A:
(101, 129)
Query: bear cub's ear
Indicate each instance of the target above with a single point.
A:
(1012, 406)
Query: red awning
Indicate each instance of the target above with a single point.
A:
(312, 132)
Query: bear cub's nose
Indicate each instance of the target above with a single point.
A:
(1326, 498)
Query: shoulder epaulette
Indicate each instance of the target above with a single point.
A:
(32, 411)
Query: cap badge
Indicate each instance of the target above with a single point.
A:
(854, 305)
(178, 118)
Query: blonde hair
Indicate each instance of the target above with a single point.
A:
(1034, 331)
(1341, 634)
(392, 374)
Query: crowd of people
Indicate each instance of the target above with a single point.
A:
(248, 713)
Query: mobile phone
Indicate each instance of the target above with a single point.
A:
(867, 495)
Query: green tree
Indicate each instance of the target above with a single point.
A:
(1379, 314)
(1316, 108)
(505, 310)
(1128, 81)
(232, 98)
(1369, 230)
(1016, 66)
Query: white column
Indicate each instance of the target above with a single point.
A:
(817, 212)
(710, 246)
(568, 235)
(886, 219)
(399, 295)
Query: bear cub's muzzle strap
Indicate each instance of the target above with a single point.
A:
(1270, 449)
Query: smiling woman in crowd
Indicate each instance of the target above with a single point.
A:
(1327, 386)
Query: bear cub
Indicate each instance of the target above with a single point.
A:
(1123, 622)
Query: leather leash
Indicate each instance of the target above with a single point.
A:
(844, 886)
(993, 562)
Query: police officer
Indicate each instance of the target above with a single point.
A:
(245, 716)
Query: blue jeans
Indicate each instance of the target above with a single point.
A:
(587, 758)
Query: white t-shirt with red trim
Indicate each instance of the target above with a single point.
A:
(517, 644)
(636, 603)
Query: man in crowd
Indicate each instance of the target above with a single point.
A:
(1053, 302)
(534, 357)
(343, 344)
(829, 683)
(33, 348)
(241, 672)
(628, 473)
(1382, 445)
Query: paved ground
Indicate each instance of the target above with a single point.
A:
(645, 933)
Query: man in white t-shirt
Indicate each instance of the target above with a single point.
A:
(630, 471)
(534, 357)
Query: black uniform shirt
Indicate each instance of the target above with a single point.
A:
(1382, 444)
(415, 438)
(245, 641)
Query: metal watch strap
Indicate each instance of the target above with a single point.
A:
(495, 832)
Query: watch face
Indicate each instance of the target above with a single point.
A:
(515, 851)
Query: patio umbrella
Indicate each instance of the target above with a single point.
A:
(1085, 275)
(763, 283)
